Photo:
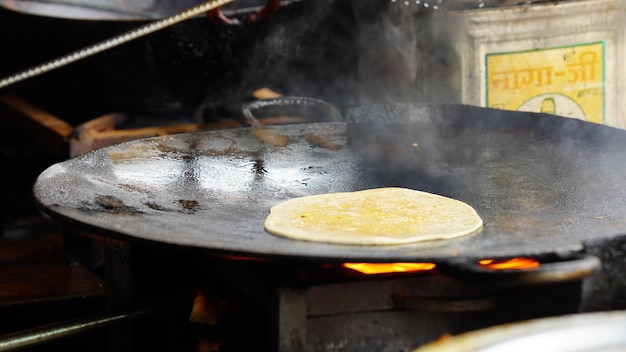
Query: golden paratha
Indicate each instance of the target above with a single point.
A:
(381, 216)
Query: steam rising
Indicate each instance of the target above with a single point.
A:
(349, 53)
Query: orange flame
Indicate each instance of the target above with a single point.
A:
(382, 268)
(493, 264)
(514, 263)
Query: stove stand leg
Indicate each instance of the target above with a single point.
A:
(292, 317)
(119, 292)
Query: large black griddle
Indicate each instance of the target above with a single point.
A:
(542, 183)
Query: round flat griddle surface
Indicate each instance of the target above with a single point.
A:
(541, 184)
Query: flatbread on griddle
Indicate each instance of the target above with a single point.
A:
(381, 216)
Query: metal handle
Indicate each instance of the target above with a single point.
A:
(112, 42)
(310, 109)
(552, 269)
(63, 329)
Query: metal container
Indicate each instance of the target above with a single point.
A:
(599, 331)
(561, 57)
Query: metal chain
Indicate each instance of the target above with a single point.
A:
(112, 42)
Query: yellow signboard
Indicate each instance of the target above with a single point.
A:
(566, 81)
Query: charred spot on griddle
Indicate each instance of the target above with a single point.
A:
(317, 170)
(114, 205)
(155, 206)
(190, 205)
(194, 143)
(188, 158)
(132, 188)
(258, 167)
(109, 202)
(166, 149)
(190, 175)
